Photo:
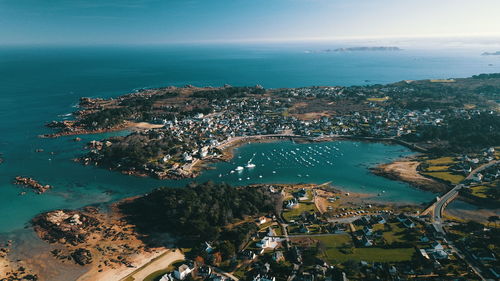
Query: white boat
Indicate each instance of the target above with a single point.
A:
(239, 168)
(250, 165)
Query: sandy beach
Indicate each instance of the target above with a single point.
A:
(145, 264)
(406, 170)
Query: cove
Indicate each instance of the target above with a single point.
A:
(345, 163)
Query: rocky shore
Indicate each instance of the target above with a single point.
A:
(31, 183)
(13, 270)
(91, 238)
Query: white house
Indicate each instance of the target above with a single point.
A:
(182, 272)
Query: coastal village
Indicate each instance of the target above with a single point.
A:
(314, 231)
(191, 126)
(320, 233)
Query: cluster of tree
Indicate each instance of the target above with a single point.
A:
(486, 76)
(460, 134)
(138, 149)
(199, 212)
(106, 118)
(228, 92)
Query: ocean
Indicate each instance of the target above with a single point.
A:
(40, 84)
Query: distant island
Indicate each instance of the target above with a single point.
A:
(380, 48)
(357, 49)
(497, 53)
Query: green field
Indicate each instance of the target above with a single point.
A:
(446, 176)
(333, 255)
(440, 161)
(295, 212)
(480, 191)
(437, 168)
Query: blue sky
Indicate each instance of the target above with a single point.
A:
(177, 21)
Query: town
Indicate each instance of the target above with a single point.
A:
(322, 233)
(191, 126)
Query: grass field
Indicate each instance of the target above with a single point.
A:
(440, 161)
(378, 99)
(479, 191)
(333, 254)
(437, 168)
(295, 212)
(395, 235)
(446, 176)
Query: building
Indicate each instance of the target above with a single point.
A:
(182, 272)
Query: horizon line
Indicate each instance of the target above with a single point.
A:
(339, 39)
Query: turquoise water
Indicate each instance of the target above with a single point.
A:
(39, 84)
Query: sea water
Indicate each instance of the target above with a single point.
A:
(40, 84)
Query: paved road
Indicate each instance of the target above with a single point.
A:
(441, 204)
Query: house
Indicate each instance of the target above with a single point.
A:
(440, 254)
(436, 246)
(495, 272)
(303, 229)
(262, 220)
(484, 255)
(379, 219)
(208, 248)
(278, 256)
(216, 277)
(401, 217)
(268, 242)
(167, 277)
(424, 239)
(204, 271)
(366, 242)
(367, 230)
(477, 177)
(424, 254)
(248, 254)
(182, 272)
(297, 256)
(292, 203)
(408, 223)
(264, 277)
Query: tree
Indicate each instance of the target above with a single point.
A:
(493, 219)
(227, 249)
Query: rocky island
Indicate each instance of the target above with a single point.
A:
(364, 49)
(497, 53)
(32, 183)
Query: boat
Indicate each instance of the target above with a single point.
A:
(239, 168)
(250, 165)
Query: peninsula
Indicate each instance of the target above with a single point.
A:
(183, 128)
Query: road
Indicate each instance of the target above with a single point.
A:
(440, 206)
(442, 202)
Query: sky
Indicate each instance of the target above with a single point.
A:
(194, 21)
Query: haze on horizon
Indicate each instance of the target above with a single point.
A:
(199, 21)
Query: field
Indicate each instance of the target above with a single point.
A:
(440, 161)
(378, 99)
(295, 212)
(395, 235)
(446, 176)
(333, 243)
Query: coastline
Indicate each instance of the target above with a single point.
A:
(406, 170)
